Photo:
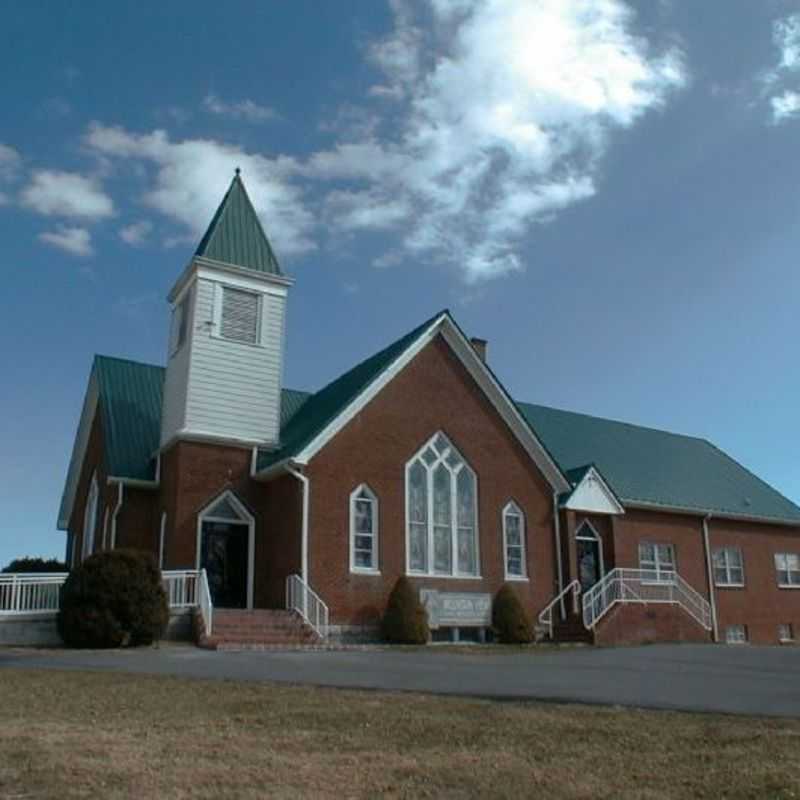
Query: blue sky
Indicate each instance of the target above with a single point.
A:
(606, 191)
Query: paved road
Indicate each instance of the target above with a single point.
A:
(739, 680)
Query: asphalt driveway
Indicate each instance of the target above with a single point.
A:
(737, 680)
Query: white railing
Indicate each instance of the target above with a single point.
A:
(546, 614)
(204, 602)
(181, 587)
(300, 597)
(622, 585)
(30, 592)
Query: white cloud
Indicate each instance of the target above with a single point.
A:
(785, 106)
(783, 80)
(496, 117)
(136, 234)
(192, 176)
(66, 194)
(72, 240)
(243, 109)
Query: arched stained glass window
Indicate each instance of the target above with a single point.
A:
(441, 502)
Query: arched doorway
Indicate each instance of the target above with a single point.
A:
(589, 548)
(225, 549)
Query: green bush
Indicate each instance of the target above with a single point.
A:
(28, 564)
(405, 620)
(113, 599)
(509, 620)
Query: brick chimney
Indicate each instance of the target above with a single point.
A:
(480, 346)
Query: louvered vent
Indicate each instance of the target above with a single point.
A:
(239, 315)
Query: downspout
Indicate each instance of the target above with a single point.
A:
(710, 572)
(306, 484)
(120, 491)
(559, 565)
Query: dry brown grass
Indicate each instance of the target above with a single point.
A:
(71, 734)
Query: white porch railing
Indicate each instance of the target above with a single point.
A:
(30, 592)
(546, 614)
(300, 597)
(622, 585)
(181, 587)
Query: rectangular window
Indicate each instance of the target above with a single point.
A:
(736, 634)
(785, 632)
(728, 567)
(240, 315)
(787, 565)
(657, 560)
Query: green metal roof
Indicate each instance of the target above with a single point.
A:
(644, 465)
(235, 235)
(640, 465)
(130, 405)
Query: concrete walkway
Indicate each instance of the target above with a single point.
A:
(737, 680)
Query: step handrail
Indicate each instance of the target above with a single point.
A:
(300, 597)
(546, 614)
(204, 602)
(617, 586)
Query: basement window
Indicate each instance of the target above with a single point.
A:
(239, 319)
(785, 632)
(736, 634)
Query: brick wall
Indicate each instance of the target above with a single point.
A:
(432, 393)
(635, 623)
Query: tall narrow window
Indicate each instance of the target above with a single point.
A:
(240, 315)
(90, 517)
(728, 567)
(363, 530)
(441, 503)
(514, 542)
(657, 560)
(787, 565)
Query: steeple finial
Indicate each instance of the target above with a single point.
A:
(238, 172)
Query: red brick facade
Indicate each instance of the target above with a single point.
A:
(434, 392)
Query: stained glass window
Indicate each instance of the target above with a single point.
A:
(441, 500)
(514, 536)
(364, 529)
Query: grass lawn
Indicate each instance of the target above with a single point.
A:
(77, 734)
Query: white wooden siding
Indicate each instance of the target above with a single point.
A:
(173, 412)
(234, 387)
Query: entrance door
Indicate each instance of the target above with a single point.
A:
(224, 557)
(590, 556)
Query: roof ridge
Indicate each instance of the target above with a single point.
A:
(615, 421)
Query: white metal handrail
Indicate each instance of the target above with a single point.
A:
(300, 597)
(204, 602)
(546, 614)
(30, 592)
(623, 585)
(181, 587)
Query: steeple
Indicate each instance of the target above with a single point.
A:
(225, 352)
(235, 235)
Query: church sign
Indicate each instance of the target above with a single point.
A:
(467, 609)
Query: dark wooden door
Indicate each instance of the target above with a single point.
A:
(224, 558)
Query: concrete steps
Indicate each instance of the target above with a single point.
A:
(257, 629)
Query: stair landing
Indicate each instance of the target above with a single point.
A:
(257, 629)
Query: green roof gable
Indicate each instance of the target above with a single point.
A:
(235, 235)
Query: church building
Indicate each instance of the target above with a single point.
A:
(416, 462)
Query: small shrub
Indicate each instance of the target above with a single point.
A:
(509, 620)
(113, 599)
(28, 564)
(405, 620)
